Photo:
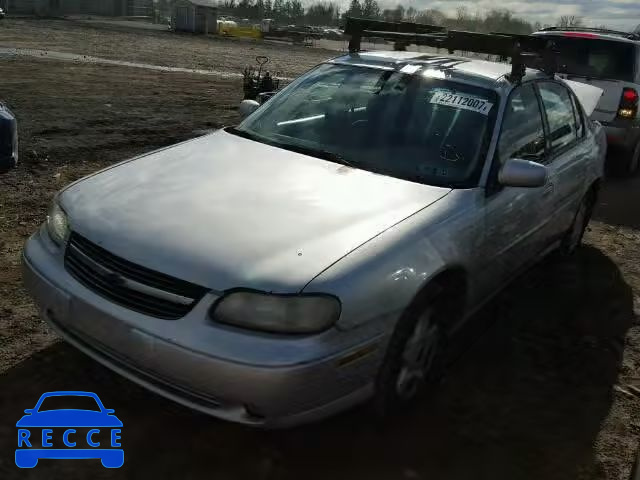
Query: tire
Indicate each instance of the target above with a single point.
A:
(629, 162)
(633, 161)
(573, 238)
(635, 470)
(414, 360)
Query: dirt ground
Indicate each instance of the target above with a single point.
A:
(542, 395)
(158, 48)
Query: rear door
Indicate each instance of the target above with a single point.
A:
(567, 157)
(605, 63)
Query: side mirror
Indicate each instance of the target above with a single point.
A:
(109, 411)
(29, 411)
(522, 173)
(247, 107)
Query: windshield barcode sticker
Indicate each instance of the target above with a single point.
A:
(462, 101)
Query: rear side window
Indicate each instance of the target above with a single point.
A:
(594, 58)
(522, 129)
(556, 100)
(577, 112)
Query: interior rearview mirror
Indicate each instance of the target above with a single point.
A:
(247, 107)
(522, 173)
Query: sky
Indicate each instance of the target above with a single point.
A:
(622, 14)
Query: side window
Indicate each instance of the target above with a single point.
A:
(522, 133)
(557, 105)
(577, 110)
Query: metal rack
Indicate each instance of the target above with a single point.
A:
(524, 50)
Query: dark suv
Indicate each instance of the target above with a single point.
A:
(610, 60)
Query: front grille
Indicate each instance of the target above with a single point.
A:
(125, 283)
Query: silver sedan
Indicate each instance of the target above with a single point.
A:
(327, 249)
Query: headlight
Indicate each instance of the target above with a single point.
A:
(57, 224)
(277, 313)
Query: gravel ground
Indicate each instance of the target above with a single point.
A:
(543, 394)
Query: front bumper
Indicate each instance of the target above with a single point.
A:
(257, 379)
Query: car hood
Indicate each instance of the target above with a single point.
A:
(223, 211)
(69, 418)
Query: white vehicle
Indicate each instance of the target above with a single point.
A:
(609, 60)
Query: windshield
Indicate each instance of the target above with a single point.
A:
(66, 402)
(593, 58)
(408, 126)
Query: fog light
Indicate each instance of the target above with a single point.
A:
(626, 112)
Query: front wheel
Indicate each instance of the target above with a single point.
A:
(414, 358)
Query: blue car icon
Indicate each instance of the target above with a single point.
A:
(69, 424)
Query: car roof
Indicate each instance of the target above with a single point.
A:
(466, 69)
(591, 34)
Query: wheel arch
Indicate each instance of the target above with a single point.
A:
(594, 188)
(451, 284)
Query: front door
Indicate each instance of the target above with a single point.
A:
(513, 216)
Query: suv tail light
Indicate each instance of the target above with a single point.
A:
(628, 103)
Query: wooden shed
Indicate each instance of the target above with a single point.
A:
(196, 16)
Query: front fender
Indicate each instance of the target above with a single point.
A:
(377, 281)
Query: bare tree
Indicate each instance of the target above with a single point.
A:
(431, 16)
(568, 21)
(370, 9)
(410, 14)
(462, 14)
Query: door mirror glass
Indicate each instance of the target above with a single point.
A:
(247, 107)
(522, 173)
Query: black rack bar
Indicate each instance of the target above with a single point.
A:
(524, 50)
(356, 27)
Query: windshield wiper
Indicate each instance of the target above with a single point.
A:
(245, 134)
(313, 152)
(317, 152)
